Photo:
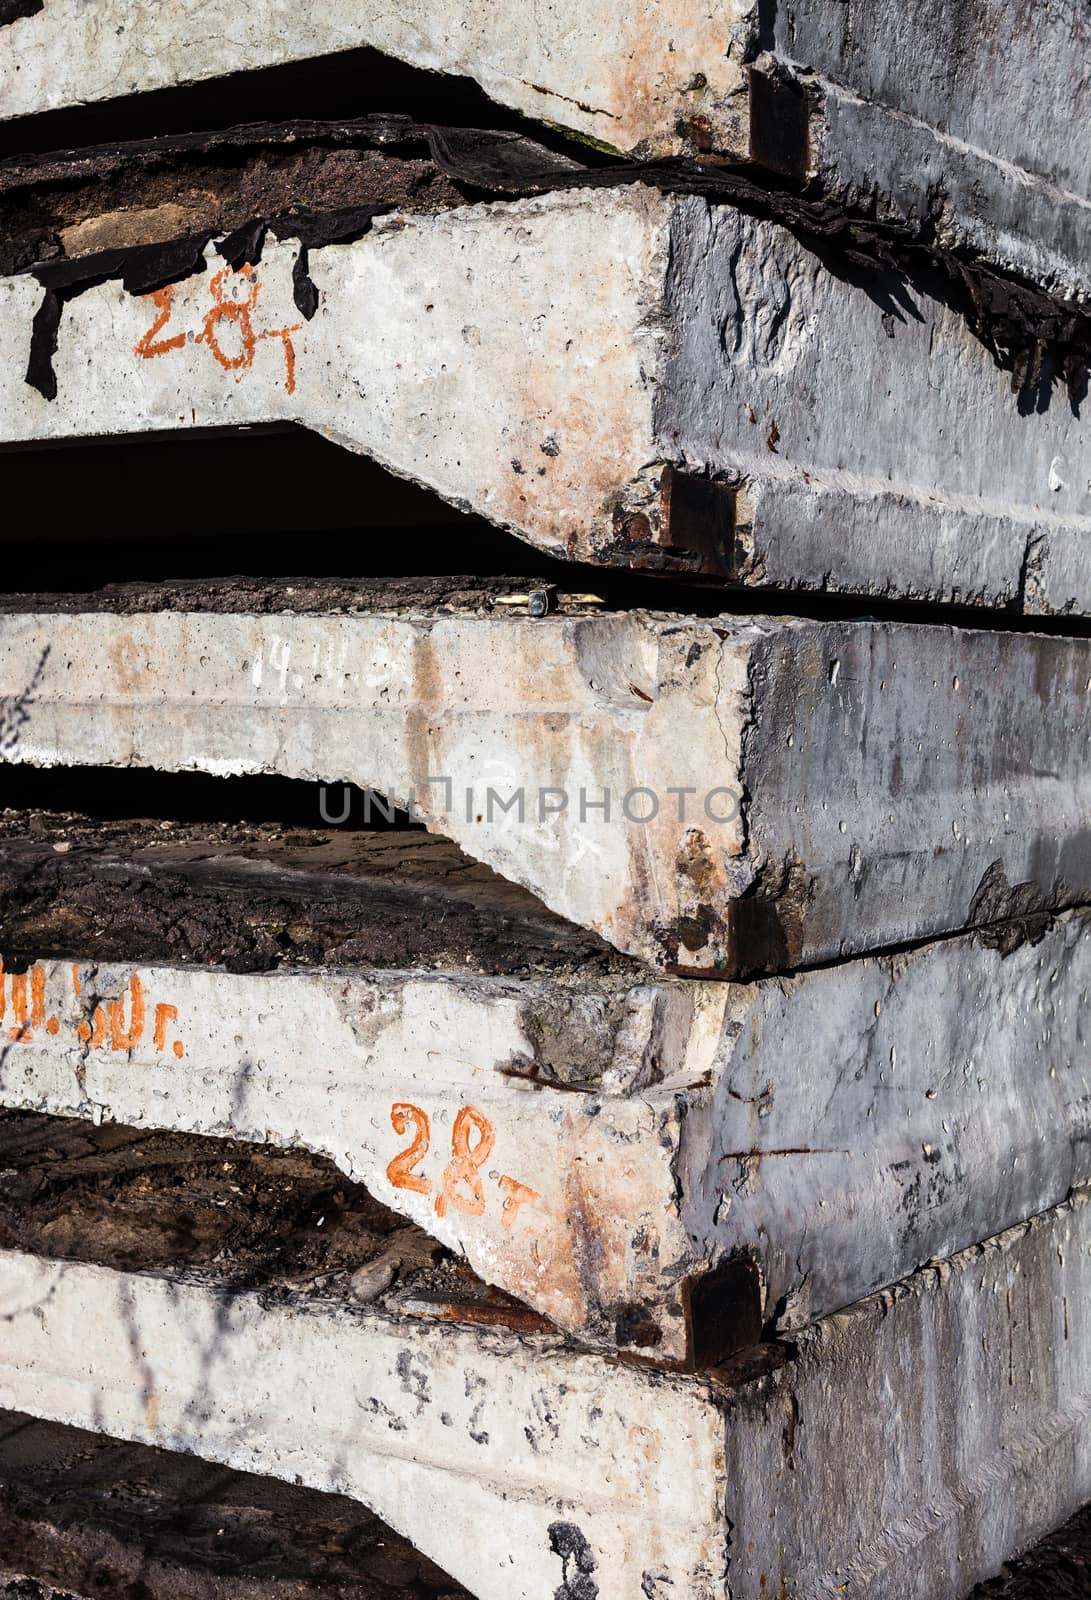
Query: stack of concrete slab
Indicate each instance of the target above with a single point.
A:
(647, 1153)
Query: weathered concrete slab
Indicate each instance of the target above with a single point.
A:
(718, 401)
(620, 81)
(943, 123)
(93, 1516)
(655, 1166)
(778, 792)
(476, 1108)
(950, 118)
(907, 1444)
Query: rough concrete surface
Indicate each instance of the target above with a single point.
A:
(107, 1519)
(921, 1433)
(780, 792)
(593, 1144)
(858, 436)
(941, 1426)
(941, 117)
(948, 114)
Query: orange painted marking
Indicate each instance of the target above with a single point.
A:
(516, 1195)
(37, 996)
(163, 1015)
(289, 351)
(53, 1026)
(21, 1034)
(466, 1163)
(97, 1038)
(400, 1171)
(122, 1038)
(238, 311)
(75, 977)
(149, 345)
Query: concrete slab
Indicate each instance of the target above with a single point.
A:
(934, 120)
(474, 1107)
(659, 1167)
(948, 1419)
(717, 796)
(718, 401)
(94, 1516)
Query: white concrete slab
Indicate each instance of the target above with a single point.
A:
(420, 1087)
(836, 1130)
(617, 77)
(909, 1445)
(779, 792)
(475, 1443)
(611, 347)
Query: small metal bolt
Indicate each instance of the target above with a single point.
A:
(539, 602)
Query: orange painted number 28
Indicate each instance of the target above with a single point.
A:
(225, 313)
(472, 1139)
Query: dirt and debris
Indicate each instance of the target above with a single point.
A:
(1057, 1568)
(248, 1217)
(317, 596)
(83, 1515)
(291, 175)
(254, 897)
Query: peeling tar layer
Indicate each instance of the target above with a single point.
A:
(149, 267)
(1041, 340)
